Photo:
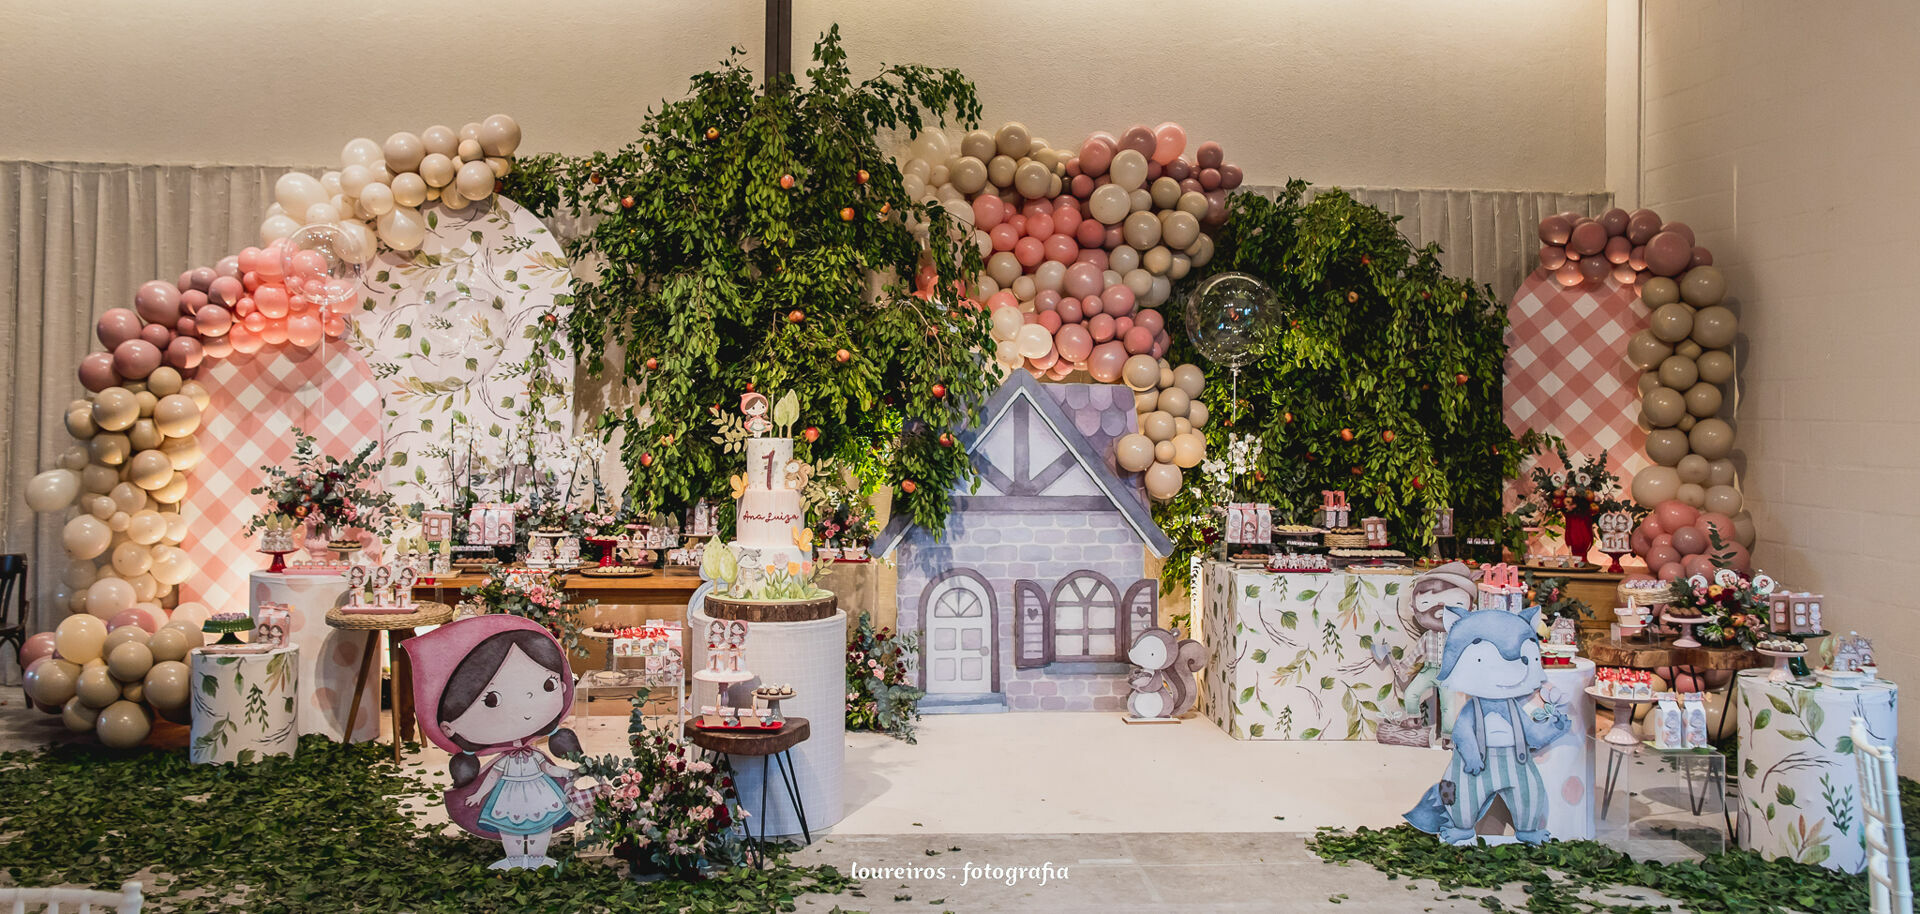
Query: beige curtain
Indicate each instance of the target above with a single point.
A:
(77, 239)
(1487, 235)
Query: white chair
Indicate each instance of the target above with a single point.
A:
(63, 901)
(1888, 879)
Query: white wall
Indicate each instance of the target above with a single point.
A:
(1788, 143)
(1458, 94)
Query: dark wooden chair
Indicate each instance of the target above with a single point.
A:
(13, 601)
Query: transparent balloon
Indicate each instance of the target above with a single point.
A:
(1229, 316)
(320, 264)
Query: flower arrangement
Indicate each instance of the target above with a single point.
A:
(323, 489)
(659, 810)
(1550, 594)
(1734, 608)
(879, 697)
(1218, 474)
(847, 523)
(534, 595)
(1586, 488)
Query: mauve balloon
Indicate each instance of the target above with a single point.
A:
(1216, 207)
(1683, 230)
(1618, 250)
(1095, 155)
(1209, 155)
(1073, 167)
(225, 291)
(1101, 326)
(117, 326)
(1642, 225)
(1552, 256)
(1140, 138)
(1122, 324)
(1669, 253)
(1588, 238)
(1568, 275)
(159, 335)
(96, 372)
(186, 326)
(218, 347)
(1615, 220)
(1067, 308)
(1624, 274)
(1231, 176)
(185, 281)
(1555, 230)
(135, 359)
(1082, 186)
(1117, 300)
(1702, 257)
(1637, 257)
(1595, 269)
(157, 301)
(228, 266)
(185, 353)
(1106, 360)
(200, 278)
(1150, 319)
(1179, 169)
(1112, 237)
(1074, 342)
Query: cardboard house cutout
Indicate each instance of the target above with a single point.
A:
(1037, 587)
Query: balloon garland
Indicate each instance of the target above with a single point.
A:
(1685, 357)
(134, 431)
(1081, 251)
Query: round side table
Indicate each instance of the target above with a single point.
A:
(775, 745)
(401, 626)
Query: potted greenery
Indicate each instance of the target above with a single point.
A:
(662, 813)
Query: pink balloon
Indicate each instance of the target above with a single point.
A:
(267, 265)
(1150, 319)
(1169, 140)
(1552, 256)
(1638, 543)
(185, 352)
(1637, 257)
(191, 300)
(1672, 571)
(216, 347)
(1106, 360)
(1652, 526)
(254, 323)
(1046, 300)
(1689, 541)
(213, 320)
(250, 280)
(1002, 299)
(1738, 558)
(1697, 564)
(1066, 219)
(1061, 248)
(1569, 275)
(1083, 280)
(1121, 324)
(1003, 237)
(1138, 137)
(1101, 326)
(1624, 274)
(1037, 207)
(308, 264)
(1096, 257)
(1618, 250)
(35, 648)
(1082, 186)
(157, 301)
(1588, 238)
(1710, 522)
(1095, 155)
(136, 617)
(1668, 254)
(1112, 238)
(1048, 319)
(1060, 370)
(272, 301)
(228, 266)
(135, 359)
(1675, 514)
(1138, 340)
(1216, 207)
(1074, 342)
(988, 211)
(225, 291)
(1117, 300)
(1661, 539)
(1209, 178)
(1090, 233)
(304, 330)
(1030, 252)
(1068, 309)
(1046, 361)
(1018, 222)
(1555, 231)
(1073, 167)
(1682, 230)
(97, 372)
(117, 326)
(274, 333)
(1040, 225)
(1661, 556)
(244, 306)
(334, 325)
(199, 279)
(248, 260)
(244, 340)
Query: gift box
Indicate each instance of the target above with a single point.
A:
(272, 624)
(1668, 724)
(1249, 522)
(1693, 711)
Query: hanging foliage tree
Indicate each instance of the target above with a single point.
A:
(1384, 380)
(758, 238)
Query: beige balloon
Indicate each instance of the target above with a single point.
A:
(164, 381)
(1140, 372)
(1013, 139)
(1724, 500)
(1190, 378)
(176, 415)
(130, 661)
(144, 435)
(1146, 401)
(1693, 468)
(1686, 423)
(79, 638)
(1197, 414)
(1648, 381)
(122, 635)
(1163, 481)
(146, 401)
(1663, 406)
(1133, 452)
(80, 422)
(197, 392)
(1174, 402)
(1703, 286)
(1655, 484)
(1166, 193)
(1716, 367)
(978, 144)
(1647, 351)
(1141, 230)
(1671, 323)
(96, 688)
(1720, 472)
(1658, 291)
(122, 725)
(1678, 372)
(1744, 529)
(1666, 447)
(167, 684)
(1703, 400)
(169, 644)
(1163, 451)
(1713, 328)
(150, 470)
(1711, 438)
(1188, 450)
(134, 692)
(109, 449)
(77, 716)
(115, 408)
(53, 682)
(1180, 230)
(1691, 494)
(1129, 169)
(184, 452)
(1157, 426)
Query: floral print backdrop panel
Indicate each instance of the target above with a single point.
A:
(447, 331)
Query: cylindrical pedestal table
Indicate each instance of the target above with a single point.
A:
(243, 703)
(811, 657)
(1799, 780)
(329, 659)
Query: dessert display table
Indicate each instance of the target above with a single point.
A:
(329, 658)
(1300, 655)
(649, 590)
(776, 746)
(243, 703)
(401, 626)
(1799, 787)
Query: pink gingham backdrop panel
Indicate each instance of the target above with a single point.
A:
(256, 402)
(1567, 369)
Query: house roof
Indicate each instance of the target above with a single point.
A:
(1125, 497)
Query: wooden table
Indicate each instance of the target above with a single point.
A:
(657, 588)
(776, 745)
(402, 627)
(1635, 654)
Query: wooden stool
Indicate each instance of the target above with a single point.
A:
(402, 626)
(767, 744)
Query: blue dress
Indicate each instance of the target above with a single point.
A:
(526, 800)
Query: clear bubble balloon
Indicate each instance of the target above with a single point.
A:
(319, 263)
(1229, 316)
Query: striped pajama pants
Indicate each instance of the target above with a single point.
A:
(1526, 793)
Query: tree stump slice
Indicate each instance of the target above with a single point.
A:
(751, 742)
(751, 611)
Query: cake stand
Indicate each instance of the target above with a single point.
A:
(773, 701)
(1686, 624)
(279, 565)
(1782, 663)
(1622, 732)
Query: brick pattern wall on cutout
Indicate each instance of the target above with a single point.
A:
(1785, 138)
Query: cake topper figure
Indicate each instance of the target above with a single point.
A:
(495, 685)
(754, 405)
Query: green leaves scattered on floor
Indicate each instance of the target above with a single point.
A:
(1556, 876)
(320, 832)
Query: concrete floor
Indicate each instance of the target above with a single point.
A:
(1141, 818)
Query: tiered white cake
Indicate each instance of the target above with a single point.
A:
(769, 515)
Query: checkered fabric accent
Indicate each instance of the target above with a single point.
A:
(257, 401)
(1567, 371)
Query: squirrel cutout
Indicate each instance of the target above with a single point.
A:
(1162, 678)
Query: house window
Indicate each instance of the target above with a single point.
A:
(1086, 619)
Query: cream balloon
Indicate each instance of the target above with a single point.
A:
(109, 597)
(409, 190)
(440, 139)
(169, 643)
(53, 490)
(150, 470)
(86, 537)
(1720, 472)
(297, 192)
(184, 452)
(96, 688)
(171, 565)
(115, 409)
(403, 151)
(177, 528)
(1163, 481)
(1711, 438)
(359, 151)
(1034, 341)
(78, 639)
(143, 434)
(1724, 500)
(437, 170)
(1655, 484)
(1128, 170)
(130, 661)
(197, 392)
(77, 716)
(128, 497)
(274, 228)
(474, 181)
(403, 229)
(131, 558)
(1690, 495)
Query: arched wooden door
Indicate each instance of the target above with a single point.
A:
(958, 620)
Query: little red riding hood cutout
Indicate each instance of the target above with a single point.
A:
(493, 686)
